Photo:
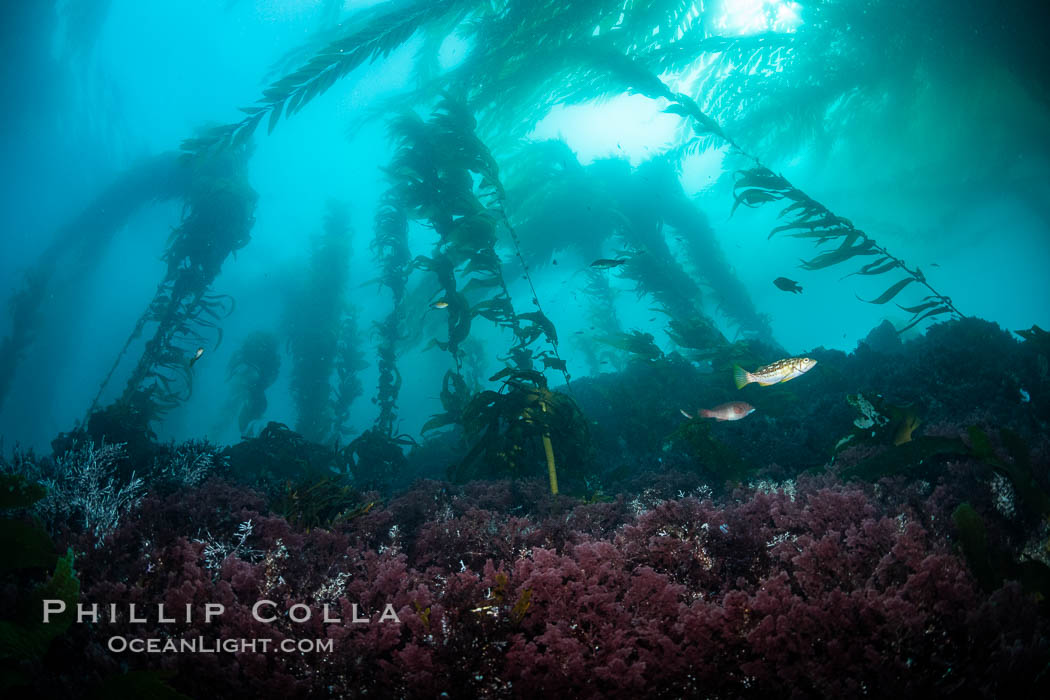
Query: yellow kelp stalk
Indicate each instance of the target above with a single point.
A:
(548, 448)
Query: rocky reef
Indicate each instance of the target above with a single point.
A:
(876, 527)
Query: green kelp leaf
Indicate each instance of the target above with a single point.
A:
(883, 264)
(520, 375)
(438, 421)
(18, 492)
(844, 252)
(753, 198)
(891, 292)
(544, 323)
(762, 178)
(932, 312)
(834, 225)
(919, 308)
(806, 207)
(25, 545)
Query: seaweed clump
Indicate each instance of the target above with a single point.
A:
(28, 552)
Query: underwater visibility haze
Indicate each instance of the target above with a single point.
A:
(490, 348)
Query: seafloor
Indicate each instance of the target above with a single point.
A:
(877, 527)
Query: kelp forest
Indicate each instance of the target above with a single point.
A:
(518, 347)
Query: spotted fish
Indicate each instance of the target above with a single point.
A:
(780, 371)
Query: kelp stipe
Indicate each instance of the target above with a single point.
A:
(321, 336)
(253, 367)
(217, 221)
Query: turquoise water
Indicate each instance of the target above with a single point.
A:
(495, 312)
(941, 164)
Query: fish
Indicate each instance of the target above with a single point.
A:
(787, 285)
(606, 263)
(439, 304)
(734, 410)
(1025, 396)
(780, 371)
(196, 356)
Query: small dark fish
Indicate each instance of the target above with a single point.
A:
(554, 261)
(196, 356)
(787, 285)
(934, 265)
(578, 333)
(606, 263)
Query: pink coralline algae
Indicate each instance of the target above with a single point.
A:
(823, 592)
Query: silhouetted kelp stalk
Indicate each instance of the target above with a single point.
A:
(252, 369)
(217, 221)
(81, 242)
(601, 308)
(322, 336)
(376, 455)
(390, 246)
(349, 360)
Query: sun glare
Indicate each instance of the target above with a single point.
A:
(742, 17)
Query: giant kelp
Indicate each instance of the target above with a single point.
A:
(560, 204)
(528, 54)
(390, 246)
(510, 426)
(217, 221)
(253, 367)
(321, 334)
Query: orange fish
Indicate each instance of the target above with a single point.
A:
(734, 410)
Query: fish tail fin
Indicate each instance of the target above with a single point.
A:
(685, 414)
(704, 413)
(741, 377)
